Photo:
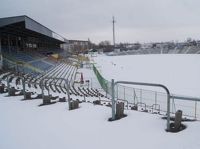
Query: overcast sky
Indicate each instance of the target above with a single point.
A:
(137, 20)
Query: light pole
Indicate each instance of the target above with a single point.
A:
(113, 22)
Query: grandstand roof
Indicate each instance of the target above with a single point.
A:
(25, 26)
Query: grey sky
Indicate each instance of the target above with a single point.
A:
(137, 20)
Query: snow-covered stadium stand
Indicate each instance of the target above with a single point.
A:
(176, 50)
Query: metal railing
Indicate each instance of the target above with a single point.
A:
(141, 84)
(189, 105)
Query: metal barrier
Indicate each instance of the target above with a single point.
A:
(189, 105)
(63, 79)
(41, 83)
(141, 84)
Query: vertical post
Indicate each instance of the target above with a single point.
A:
(106, 90)
(16, 42)
(42, 87)
(134, 95)
(117, 93)
(8, 84)
(113, 21)
(48, 90)
(195, 112)
(140, 95)
(0, 44)
(68, 95)
(113, 99)
(168, 111)
(23, 84)
(8, 44)
(124, 93)
(155, 97)
(1, 55)
(84, 97)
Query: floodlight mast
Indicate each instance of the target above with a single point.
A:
(113, 23)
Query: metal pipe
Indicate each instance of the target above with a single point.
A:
(124, 93)
(23, 84)
(113, 21)
(113, 99)
(155, 97)
(8, 84)
(134, 95)
(185, 98)
(117, 92)
(195, 112)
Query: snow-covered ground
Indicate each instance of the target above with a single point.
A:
(180, 73)
(88, 75)
(24, 125)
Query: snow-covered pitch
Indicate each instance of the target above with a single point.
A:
(179, 72)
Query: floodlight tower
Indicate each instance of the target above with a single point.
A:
(113, 23)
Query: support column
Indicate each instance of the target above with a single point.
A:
(16, 43)
(1, 56)
(8, 43)
(0, 43)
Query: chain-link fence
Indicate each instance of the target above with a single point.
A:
(148, 100)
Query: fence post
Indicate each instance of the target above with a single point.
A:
(117, 93)
(168, 110)
(23, 84)
(68, 94)
(124, 93)
(48, 91)
(195, 110)
(113, 99)
(106, 90)
(8, 84)
(155, 98)
(140, 95)
(134, 95)
(42, 88)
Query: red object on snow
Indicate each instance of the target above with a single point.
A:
(82, 81)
